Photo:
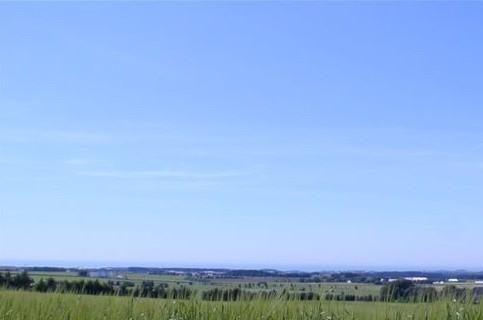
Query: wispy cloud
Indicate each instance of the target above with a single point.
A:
(54, 136)
(79, 161)
(164, 174)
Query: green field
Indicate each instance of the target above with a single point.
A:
(27, 303)
(16, 305)
(246, 283)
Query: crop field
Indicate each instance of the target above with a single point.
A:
(246, 283)
(253, 284)
(184, 296)
(16, 305)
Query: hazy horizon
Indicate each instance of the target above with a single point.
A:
(187, 265)
(257, 134)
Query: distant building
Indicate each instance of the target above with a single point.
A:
(478, 282)
(438, 282)
(453, 280)
(416, 279)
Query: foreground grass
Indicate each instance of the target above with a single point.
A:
(16, 305)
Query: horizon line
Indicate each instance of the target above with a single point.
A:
(225, 266)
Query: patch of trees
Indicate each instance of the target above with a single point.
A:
(407, 291)
(217, 294)
(82, 273)
(92, 287)
(16, 281)
(350, 297)
(149, 290)
(48, 285)
(462, 294)
(301, 296)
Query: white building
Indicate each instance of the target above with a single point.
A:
(453, 280)
(416, 279)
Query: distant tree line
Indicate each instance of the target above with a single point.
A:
(264, 274)
(35, 269)
(343, 277)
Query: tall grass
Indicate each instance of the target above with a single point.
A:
(22, 305)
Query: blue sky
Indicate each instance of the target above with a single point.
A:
(261, 134)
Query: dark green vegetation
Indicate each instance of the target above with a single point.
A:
(407, 291)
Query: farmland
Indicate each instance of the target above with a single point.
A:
(195, 294)
(247, 283)
(358, 284)
(361, 285)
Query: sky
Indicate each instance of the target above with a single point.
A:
(313, 135)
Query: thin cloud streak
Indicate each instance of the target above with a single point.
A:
(54, 136)
(164, 174)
